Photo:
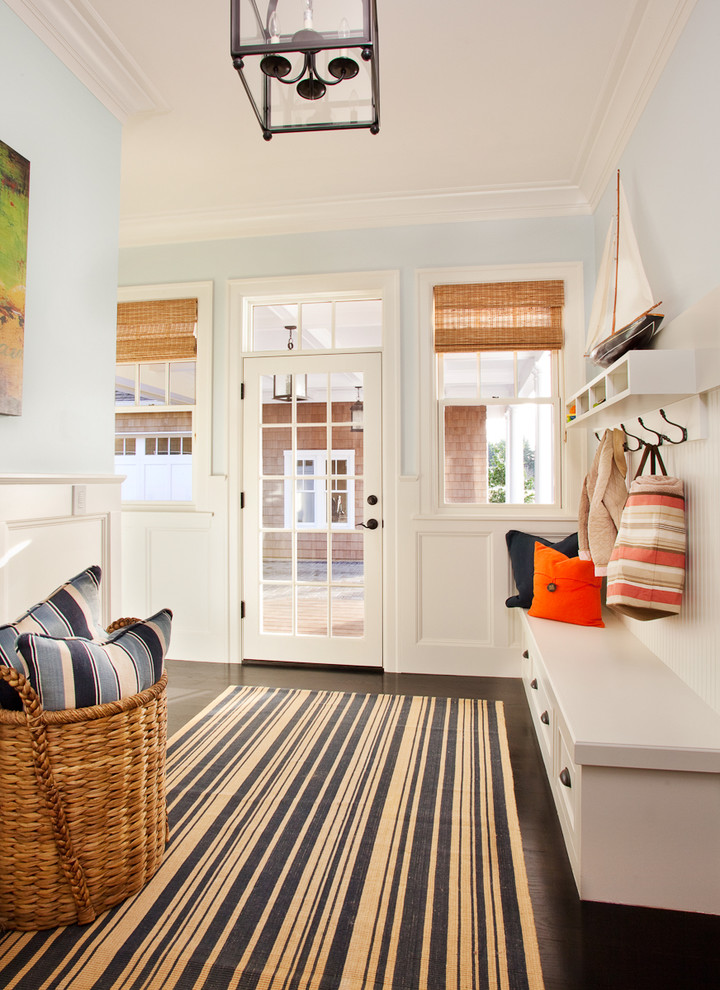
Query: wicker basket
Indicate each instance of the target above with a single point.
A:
(83, 819)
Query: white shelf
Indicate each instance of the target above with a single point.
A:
(638, 382)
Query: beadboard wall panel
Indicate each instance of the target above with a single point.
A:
(689, 643)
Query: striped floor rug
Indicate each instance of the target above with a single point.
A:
(319, 841)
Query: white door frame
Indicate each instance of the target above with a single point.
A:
(242, 293)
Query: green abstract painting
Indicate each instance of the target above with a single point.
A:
(14, 186)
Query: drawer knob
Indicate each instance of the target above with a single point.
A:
(545, 718)
(526, 654)
(565, 777)
(533, 684)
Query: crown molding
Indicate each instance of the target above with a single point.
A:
(452, 206)
(72, 30)
(640, 59)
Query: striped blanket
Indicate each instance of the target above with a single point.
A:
(646, 573)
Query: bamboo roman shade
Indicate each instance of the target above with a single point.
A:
(498, 316)
(159, 330)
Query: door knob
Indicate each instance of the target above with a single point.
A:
(370, 524)
(372, 499)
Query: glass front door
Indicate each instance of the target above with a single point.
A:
(312, 533)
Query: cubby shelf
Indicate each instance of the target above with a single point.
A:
(638, 382)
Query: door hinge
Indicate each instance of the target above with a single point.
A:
(242, 610)
(242, 390)
(242, 500)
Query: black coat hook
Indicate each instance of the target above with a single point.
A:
(683, 429)
(641, 443)
(660, 436)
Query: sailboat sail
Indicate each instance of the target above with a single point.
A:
(622, 293)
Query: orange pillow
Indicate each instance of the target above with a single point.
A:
(565, 588)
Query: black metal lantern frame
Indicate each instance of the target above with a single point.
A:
(308, 65)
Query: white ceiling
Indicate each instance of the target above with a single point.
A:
(504, 109)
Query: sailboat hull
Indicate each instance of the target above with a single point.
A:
(635, 335)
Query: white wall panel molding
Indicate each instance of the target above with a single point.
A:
(45, 540)
(74, 32)
(179, 560)
(454, 588)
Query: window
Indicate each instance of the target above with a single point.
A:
(312, 326)
(311, 478)
(155, 390)
(497, 364)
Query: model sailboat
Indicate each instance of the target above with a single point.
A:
(621, 317)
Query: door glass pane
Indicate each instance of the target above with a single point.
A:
(152, 384)
(347, 558)
(312, 610)
(497, 374)
(358, 323)
(348, 612)
(269, 327)
(272, 504)
(313, 409)
(273, 410)
(277, 556)
(275, 441)
(312, 557)
(276, 604)
(316, 326)
(310, 500)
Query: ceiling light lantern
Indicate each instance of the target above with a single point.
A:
(308, 65)
(283, 387)
(356, 413)
(283, 384)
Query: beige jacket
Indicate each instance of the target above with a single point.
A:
(602, 500)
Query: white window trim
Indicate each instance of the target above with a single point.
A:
(570, 452)
(202, 410)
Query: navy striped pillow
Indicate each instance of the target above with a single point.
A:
(78, 673)
(73, 609)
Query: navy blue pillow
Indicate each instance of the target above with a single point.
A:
(521, 547)
(73, 609)
(78, 673)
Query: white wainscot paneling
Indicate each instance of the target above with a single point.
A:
(178, 560)
(179, 568)
(54, 551)
(453, 589)
(451, 615)
(52, 528)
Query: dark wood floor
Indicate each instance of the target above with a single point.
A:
(583, 945)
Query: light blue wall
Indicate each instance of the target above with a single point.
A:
(73, 145)
(405, 249)
(670, 170)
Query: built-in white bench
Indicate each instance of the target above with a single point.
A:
(633, 759)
